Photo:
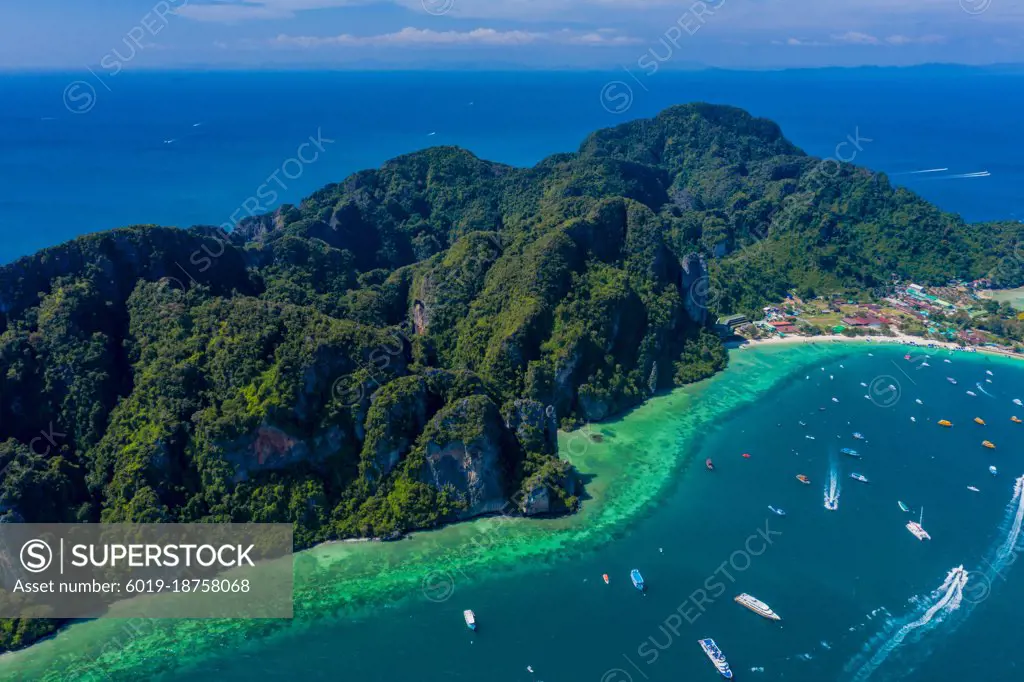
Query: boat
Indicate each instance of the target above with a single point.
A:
(716, 656)
(988, 444)
(919, 401)
(851, 452)
(973, 489)
(917, 530)
(993, 471)
(1015, 420)
(951, 380)
(913, 419)
(803, 479)
(809, 437)
(1017, 402)
(803, 424)
(746, 455)
(777, 512)
(945, 422)
(835, 400)
(948, 362)
(638, 580)
(709, 464)
(863, 384)
(859, 477)
(470, 619)
(605, 576)
(903, 506)
(979, 420)
(972, 394)
(907, 356)
(858, 435)
(989, 372)
(757, 606)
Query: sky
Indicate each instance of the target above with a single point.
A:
(553, 34)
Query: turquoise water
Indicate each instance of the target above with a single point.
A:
(844, 581)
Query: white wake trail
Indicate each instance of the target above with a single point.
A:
(946, 599)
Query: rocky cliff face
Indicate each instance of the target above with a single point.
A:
(463, 447)
(694, 284)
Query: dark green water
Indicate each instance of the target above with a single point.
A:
(394, 612)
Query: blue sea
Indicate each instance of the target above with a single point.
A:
(81, 154)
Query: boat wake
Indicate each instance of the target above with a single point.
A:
(933, 610)
(832, 488)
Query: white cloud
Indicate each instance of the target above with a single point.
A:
(859, 38)
(417, 37)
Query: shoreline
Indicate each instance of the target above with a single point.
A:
(898, 340)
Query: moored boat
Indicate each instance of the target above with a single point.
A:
(859, 477)
(951, 380)
(716, 656)
(470, 619)
(605, 576)
(992, 470)
(638, 580)
(851, 452)
(973, 489)
(858, 435)
(989, 444)
(1015, 419)
(979, 420)
(709, 464)
(945, 422)
(803, 479)
(757, 606)
(1017, 402)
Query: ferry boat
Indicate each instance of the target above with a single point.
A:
(470, 619)
(859, 477)
(917, 530)
(979, 420)
(851, 452)
(945, 422)
(993, 471)
(1015, 419)
(777, 511)
(903, 506)
(988, 444)
(716, 656)
(709, 464)
(638, 580)
(757, 606)
(803, 479)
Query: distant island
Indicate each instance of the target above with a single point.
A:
(399, 350)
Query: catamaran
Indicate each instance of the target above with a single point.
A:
(917, 529)
(716, 656)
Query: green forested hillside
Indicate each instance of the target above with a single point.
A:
(398, 350)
